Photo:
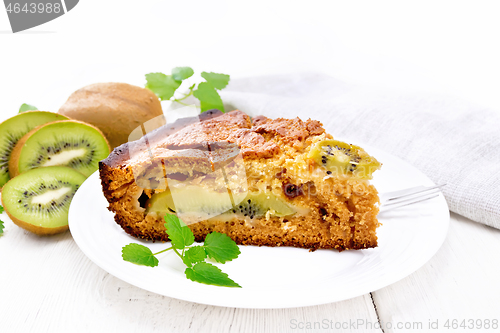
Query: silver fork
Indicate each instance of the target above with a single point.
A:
(396, 199)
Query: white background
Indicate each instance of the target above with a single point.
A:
(448, 47)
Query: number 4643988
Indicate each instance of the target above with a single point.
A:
(32, 8)
(472, 324)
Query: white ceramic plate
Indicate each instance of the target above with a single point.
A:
(277, 277)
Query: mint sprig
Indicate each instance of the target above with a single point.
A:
(139, 254)
(26, 107)
(218, 81)
(220, 247)
(209, 274)
(165, 87)
(1, 209)
(209, 97)
(217, 246)
(182, 73)
(180, 235)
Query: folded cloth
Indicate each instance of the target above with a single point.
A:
(453, 142)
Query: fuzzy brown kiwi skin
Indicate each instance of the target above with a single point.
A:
(41, 231)
(115, 108)
(16, 152)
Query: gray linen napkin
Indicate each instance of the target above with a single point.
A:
(451, 141)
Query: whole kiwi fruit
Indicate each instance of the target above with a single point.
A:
(115, 108)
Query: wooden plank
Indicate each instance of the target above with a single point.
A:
(461, 282)
(49, 285)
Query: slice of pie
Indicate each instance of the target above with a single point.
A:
(261, 181)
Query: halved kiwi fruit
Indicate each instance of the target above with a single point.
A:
(13, 129)
(341, 158)
(68, 142)
(194, 203)
(38, 200)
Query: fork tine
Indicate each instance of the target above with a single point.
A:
(395, 195)
(412, 197)
(409, 196)
(384, 208)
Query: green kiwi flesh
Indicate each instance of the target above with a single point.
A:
(200, 204)
(340, 158)
(16, 127)
(38, 200)
(68, 143)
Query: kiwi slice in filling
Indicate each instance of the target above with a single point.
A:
(340, 158)
(69, 142)
(258, 204)
(196, 204)
(38, 200)
(13, 129)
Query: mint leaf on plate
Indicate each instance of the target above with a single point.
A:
(218, 81)
(182, 73)
(178, 232)
(194, 255)
(209, 97)
(26, 107)
(1, 227)
(217, 246)
(164, 86)
(220, 247)
(209, 274)
(139, 254)
(1, 209)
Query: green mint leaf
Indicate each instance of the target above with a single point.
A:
(209, 97)
(27, 107)
(182, 73)
(209, 274)
(162, 85)
(178, 233)
(1, 227)
(220, 247)
(218, 81)
(139, 254)
(193, 255)
(1, 209)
